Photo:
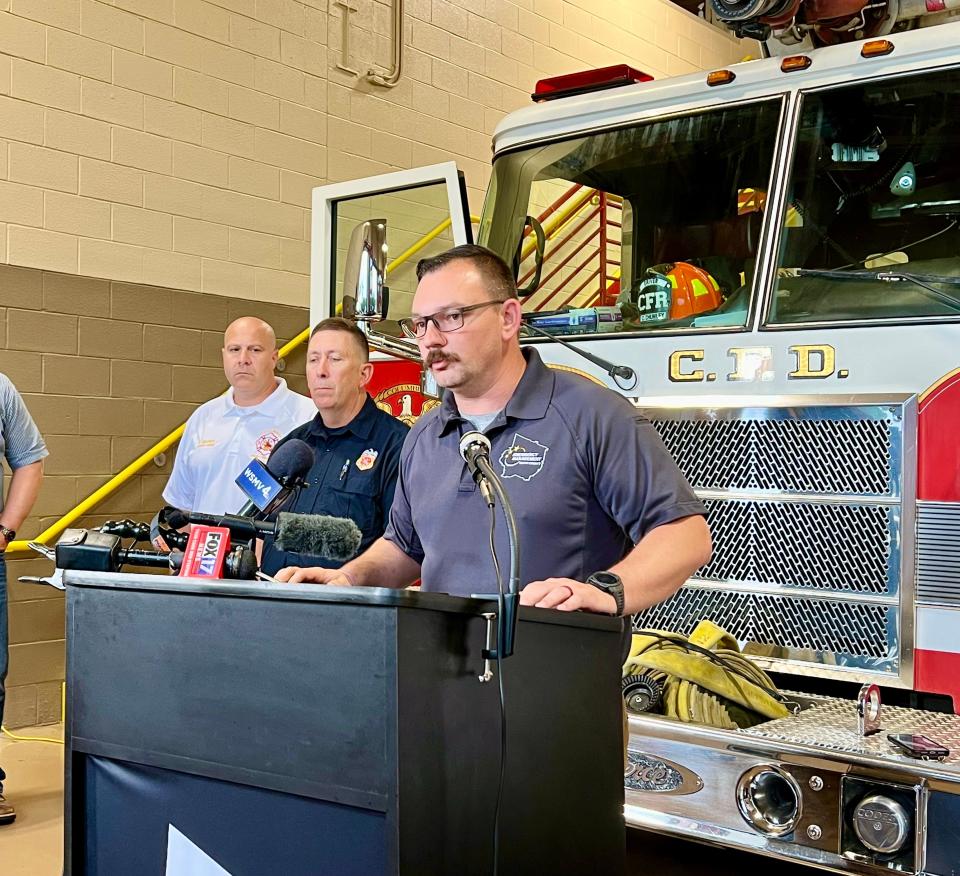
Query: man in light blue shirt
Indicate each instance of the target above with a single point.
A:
(24, 450)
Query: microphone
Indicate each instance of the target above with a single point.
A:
(92, 551)
(162, 536)
(208, 555)
(475, 446)
(269, 486)
(333, 538)
(475, 451)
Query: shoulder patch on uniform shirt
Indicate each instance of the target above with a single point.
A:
(367, 459)
(266, 442)
(523, 459)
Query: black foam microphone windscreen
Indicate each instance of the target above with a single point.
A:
(293, 458)
(335, 538)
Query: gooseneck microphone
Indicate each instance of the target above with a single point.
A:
(474, 445)
(475, 451)
(286, 470)
(333, 538)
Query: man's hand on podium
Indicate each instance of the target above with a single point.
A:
(566, 594)
(314, 575)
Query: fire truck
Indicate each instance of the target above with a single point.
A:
(765, 260)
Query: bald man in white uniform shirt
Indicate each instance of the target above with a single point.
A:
(245, 423)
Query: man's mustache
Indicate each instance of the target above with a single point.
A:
(435, 356)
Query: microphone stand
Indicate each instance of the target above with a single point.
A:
(507, 624)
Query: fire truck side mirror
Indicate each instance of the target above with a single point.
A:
(365, 270)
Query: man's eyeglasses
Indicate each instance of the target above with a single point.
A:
(445, 320)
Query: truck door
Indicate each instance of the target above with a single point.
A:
(368, 235)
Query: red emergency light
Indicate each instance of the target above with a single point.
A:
(588, 80)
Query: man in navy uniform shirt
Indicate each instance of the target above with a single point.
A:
(356, 445)
(607, 522)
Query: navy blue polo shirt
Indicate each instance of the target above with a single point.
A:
(588, 477)
(353, 475)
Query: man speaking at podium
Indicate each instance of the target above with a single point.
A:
(607, 523)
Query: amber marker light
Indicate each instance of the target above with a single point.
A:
(795, 62)
(876, 48)
(721, 77)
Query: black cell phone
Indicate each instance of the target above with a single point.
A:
(915, 745)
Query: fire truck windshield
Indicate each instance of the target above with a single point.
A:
(874, 191)
(654, 226)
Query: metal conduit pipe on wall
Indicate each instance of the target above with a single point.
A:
(390, 79)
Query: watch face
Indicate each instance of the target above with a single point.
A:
(605, 579)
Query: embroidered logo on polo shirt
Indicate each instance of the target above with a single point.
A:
(523, 459)
(266, 442)
(367, 459)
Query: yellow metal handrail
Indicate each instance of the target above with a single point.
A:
(21, 545)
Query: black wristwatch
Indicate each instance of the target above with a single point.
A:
(8, 534)
(610, 583)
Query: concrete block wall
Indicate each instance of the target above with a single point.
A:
(156, 163)
(106, 369)
(175, 142)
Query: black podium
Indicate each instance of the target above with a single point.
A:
(277, 729)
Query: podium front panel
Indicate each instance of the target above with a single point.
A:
(257, 691)
(288, 729)
(155, 822)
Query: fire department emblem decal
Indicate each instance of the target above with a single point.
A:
(367, 459)
(523, 459)
(266, 442)
(405, 402)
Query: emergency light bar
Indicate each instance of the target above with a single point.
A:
(588, 80)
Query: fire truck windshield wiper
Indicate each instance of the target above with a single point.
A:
(921, 280)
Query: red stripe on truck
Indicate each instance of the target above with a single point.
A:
(938, 451)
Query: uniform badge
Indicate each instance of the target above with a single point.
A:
(367, 459)
(266, 442)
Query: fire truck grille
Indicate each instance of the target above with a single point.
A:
(802, 455)
(800, 544)
(820, 631)
(805, 504)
